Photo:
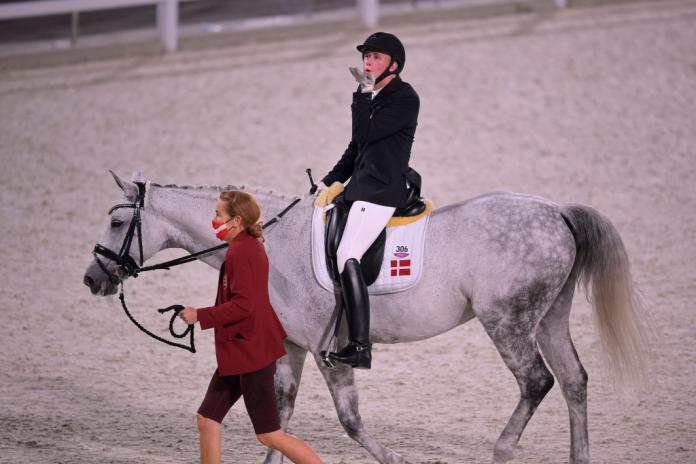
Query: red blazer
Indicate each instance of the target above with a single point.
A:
(248, 334)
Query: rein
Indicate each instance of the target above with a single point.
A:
(128, 266)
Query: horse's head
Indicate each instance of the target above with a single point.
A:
(133, 234)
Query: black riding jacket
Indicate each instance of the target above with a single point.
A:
(376, 160)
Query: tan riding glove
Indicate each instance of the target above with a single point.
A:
(327, 194)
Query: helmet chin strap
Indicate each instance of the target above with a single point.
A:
(386, 72)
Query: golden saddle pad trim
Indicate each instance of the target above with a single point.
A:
(402, 221)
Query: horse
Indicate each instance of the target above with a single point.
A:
(513, 261)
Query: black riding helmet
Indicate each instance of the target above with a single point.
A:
(388, 44)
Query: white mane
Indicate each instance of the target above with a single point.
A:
(218, 188)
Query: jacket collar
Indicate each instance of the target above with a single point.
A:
(390, 88)
(238, 239)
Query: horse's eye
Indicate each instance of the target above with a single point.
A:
(116, 223)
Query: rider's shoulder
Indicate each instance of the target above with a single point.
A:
(406, 90)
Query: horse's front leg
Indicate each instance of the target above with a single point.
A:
(287, 382)
(341, 383)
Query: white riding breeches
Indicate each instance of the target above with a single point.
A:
(363, 226)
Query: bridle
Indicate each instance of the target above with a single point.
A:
(123, 259)
(126, 265)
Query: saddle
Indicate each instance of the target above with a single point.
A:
(371, 262)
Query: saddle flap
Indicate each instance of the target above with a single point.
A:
(371, 261)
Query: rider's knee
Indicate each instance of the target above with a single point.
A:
(206, 425)
(342, 256)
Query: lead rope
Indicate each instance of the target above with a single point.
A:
(177, 309)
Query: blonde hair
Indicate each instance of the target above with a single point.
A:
(244, 205)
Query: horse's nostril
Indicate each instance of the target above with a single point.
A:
(88, 281)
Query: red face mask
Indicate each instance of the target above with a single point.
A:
(221, 229)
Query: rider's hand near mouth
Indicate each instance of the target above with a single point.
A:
(366, 79)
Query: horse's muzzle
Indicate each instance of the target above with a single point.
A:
(98, 282)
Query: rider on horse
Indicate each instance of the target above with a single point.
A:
(385, 115)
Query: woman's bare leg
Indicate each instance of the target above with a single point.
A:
(292, 447)
(209, 432)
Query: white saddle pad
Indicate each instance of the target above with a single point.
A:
(403, 256)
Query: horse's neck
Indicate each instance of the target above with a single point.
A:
(186, 213)
(179, 216)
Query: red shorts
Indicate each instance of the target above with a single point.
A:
(258, 390)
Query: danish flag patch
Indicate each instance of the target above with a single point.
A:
(400, 267)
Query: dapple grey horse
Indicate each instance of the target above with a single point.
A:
(512, 261)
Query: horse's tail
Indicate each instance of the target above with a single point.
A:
(601, 265)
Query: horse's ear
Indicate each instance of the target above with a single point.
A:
(118, 180)
(129, 188)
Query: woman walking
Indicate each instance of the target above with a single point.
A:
(248, 336)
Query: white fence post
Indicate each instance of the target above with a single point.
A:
(167, 13)
(167, 23)
(369, 12)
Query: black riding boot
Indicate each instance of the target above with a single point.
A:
(357, 304)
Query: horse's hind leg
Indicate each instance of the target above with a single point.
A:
(512, 333)
(341, 384)
(287, 382)
(553, 336)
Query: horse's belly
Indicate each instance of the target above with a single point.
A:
(398, 318)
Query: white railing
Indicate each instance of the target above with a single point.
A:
(167, 12)
(369, 10)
